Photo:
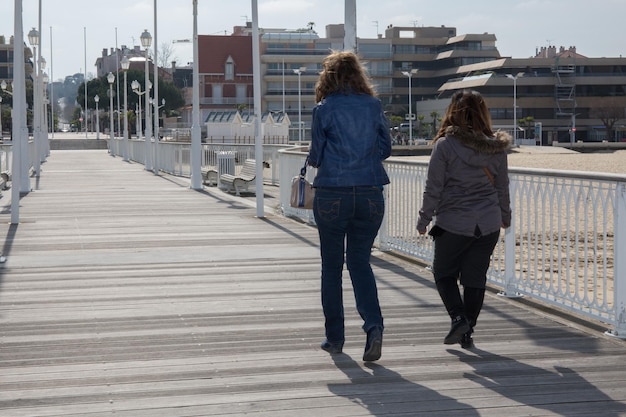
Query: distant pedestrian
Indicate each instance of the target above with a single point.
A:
(467, 193)
(350, 139)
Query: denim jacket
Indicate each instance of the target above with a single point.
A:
(350, 139)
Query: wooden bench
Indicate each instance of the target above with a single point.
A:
(243, 179)
(209, 177)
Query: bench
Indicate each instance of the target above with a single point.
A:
(243, 179)
(5, 178)
(209, 177)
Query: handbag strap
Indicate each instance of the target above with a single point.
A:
(303, 169)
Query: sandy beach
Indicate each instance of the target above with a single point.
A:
(560, 158)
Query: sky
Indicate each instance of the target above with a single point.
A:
(75, 32)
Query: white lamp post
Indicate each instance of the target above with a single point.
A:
(18, 115)
(33, 38)
(125, 64)
(97, 100)
(514, 78)
(299, 71)
(111, 80)
(410, 74)
(196, 140)
(43, 151)
(1, 137)
(136, 87)
(155, 93)
(146, 41)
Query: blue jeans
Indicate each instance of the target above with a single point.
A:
(348, 219)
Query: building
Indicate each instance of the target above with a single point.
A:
(560, 95)
(6, 60)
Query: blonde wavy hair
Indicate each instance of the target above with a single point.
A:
(342, 72)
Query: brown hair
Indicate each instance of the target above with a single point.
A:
(467, 110)
(342, 72)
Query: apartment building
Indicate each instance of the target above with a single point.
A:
(6, 60)
(568, 96)
(565, 94)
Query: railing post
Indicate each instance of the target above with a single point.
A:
(619, 266)
(510, 287)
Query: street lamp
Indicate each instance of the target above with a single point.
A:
(299, 71)
(97, 100)
(1, 137)
(514, 78)
(125, 64)
(33, 38)
(43, 152)
(136, 87)
(146, 41)
(410, 74)
(111, 80)
(156, 130)
(43, 109)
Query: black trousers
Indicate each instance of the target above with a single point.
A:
(465, 259)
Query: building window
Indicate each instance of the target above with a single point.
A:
(217, 94)
(242, 92)
(229, 69)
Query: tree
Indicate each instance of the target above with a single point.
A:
(609, 113)
(435, 116)
(528, 124)
(100, 86)
(166, 55)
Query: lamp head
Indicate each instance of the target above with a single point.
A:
(33, 37)
(125, 63)
(134, 85)
(110, 78)
(146, 39)
(3, 85)
(96, 98)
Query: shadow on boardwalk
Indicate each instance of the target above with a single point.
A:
(128, 294)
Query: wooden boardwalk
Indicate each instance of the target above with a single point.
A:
(128, 294)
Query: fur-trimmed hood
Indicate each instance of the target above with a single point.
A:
(501, 142)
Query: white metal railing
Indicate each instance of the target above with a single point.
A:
(175, 157)
(562, 246)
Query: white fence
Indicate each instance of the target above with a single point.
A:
(175, 157)
(562, 246)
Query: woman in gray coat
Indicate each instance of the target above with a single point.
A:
(467, 193)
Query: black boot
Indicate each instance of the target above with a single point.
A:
(451, 297)
(466, 341)
(459, 327)
(473, 301)
(373, 344)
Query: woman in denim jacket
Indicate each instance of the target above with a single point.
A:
(467, 190)
(350, 139)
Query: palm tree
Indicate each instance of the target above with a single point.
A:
(435, 116)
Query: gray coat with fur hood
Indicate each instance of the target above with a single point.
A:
(459, 191)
